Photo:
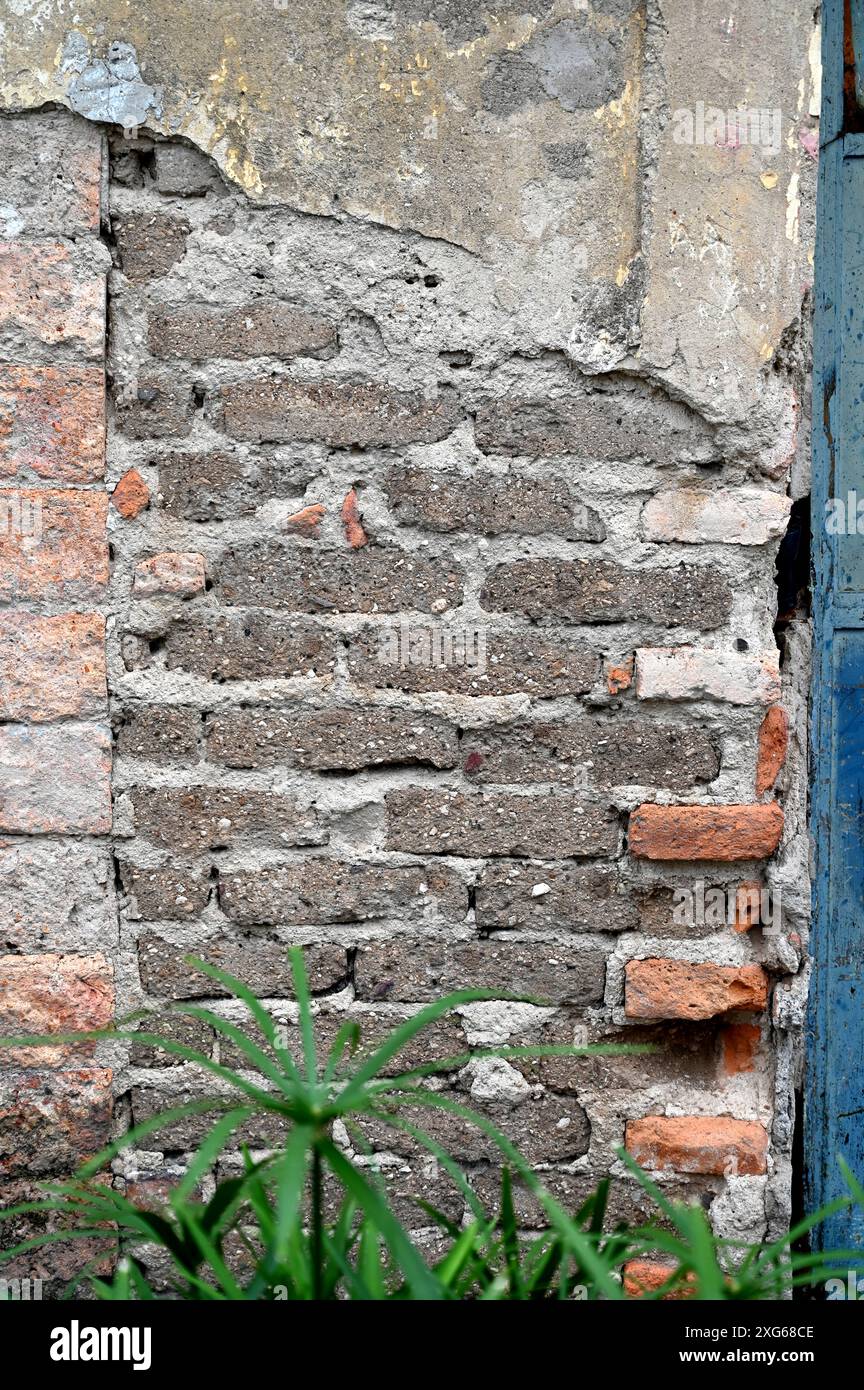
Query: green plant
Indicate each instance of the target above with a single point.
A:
(273, 1212)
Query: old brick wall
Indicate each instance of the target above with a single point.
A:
(530, 384)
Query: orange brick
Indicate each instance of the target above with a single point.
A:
(740, 1045)
(53, 544)
(712, 1145)
(749, 831)
(307, 521)
(748, 905)
(659, 988)
(55, 779)
(43, 296)
(51, 668)
(52, 423)
(131, 495)
(354, 533)
(53, 994)
(644, 1277)
(773, 743)
(619, 678)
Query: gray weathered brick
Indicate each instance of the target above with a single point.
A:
(198, 818)
(306, 579)
(552, 826)
(540, 664)
(249, 646)
(264, 328)
(218, 485)
(414, 969)
(490, 505)
(592, 752)
(149, 244)
(260, 963)
(604, 426)
(172, 893)
(321, 891)
(337, 413)
(600, 591)
(157, 407)
(338, 739)
(159, 734)
(559, 897)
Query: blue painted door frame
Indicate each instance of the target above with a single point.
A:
(834, 1098)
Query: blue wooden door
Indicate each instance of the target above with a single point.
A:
(834, 1109)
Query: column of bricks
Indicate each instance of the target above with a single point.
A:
(57, 920)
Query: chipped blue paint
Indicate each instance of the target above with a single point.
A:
(834, 1097)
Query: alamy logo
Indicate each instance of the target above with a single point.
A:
(21, 519)
(77, 1343)
(761, 127)
(20, 1290)
(433, 647)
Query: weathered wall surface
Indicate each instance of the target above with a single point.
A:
(423, 324)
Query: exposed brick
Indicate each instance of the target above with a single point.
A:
(250, 646)
(600, 591)
(558, 826)
(57, 1262)
(49, 993)
(489, 505)
(199, 818)
(188, 1032)
(411, 970)
(351, 523)
(541, 665)
(131, 495)
(55, 779)
(643, 1278)
(604, 426)
(218, 485)
(182, 170)
(628, 1202)
(159, 734)
(307, 521)
(51, 668)
(149, 244)
(264, 1130)
(264, 328)
(552, 897)
(307, 579)
(698, 1144)
(337, 739)
(171, 572)
(52, 423)
(155, 407)
(46, 298)
(660, 988)
(52, 168)
(545, 1129)
(705, 832)
(740, 1042)
(676, 1055)
(55, 897)
(773, 743)
(51, 1121)
(619, 678)
(171, 894)
(260, 963)
(341, 414)
(748, 905)
(728, 516)
(596, 752)
(688, 673)
(318, 892)
(53, 545)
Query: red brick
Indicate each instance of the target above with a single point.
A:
(740, 1045)
(48, 993)
(171, 572)
(52, 423)
(131, 495)
(51, 668)
(44, 297)
(51, 1121)
(55, 779)
(307, 521)
(354, 533)
(619, 678)
(714, 1145)
(660, 988)
(53, 544)
(748, 905)
(644, 1277)
(705, 832)
(773, 743)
